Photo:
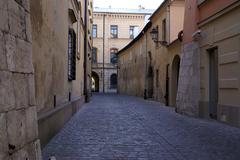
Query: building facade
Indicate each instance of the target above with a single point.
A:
(149, 65)
(61, 44)
(45, 71)
(18, 111)
(112, 30)
(211, 48)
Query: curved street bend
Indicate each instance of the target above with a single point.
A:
(117, 127)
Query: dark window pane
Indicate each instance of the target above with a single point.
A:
(94, 55)
(114, 31)
(71, 55)
(113, 80)
(113, 55)
(94, 31)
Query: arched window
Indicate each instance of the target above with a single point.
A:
(113, 55)
(113, 80)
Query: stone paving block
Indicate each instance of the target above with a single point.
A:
(16, 19)
(7, 99)
(16, 128)
(3, 136)
(3, 16)
(20, 84)
(117, 127)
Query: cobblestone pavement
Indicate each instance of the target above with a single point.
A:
(115, 127)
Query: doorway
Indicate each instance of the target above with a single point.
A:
(150, 82)
(95, 82)
(113, 81)
(174, 79)
(213, 82)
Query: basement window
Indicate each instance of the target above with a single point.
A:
(71, 55)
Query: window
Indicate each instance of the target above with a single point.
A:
(133, 31)
(94, 31)
(94, 55)
(114, 31)
(113, 81)
(71, 55)
(113, 55)
(164, 30)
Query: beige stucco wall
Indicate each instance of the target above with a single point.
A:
(135, 61)
(50, 23)
(222, 32)
(123, 21)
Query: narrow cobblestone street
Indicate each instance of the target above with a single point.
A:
(113, 127)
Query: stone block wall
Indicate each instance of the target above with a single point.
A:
(188, 95)
(18, 116)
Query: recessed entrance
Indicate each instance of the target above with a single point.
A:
(95, 82)
(174, 79)
(150, 82)
(213, 82)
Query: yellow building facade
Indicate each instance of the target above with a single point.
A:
(62, 81)
(219, 66)
(112, 30)
(150, 68)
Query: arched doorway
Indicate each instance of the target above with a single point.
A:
(113, 81)
(175, 77)
(150, 82)
(95, 82)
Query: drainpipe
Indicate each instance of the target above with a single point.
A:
(85, 52)
(104, 16)
(145, 89)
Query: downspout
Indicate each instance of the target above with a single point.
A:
(145, 90)
(85, 52)
(104, 16)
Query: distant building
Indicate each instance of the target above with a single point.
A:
(62, 81)
(112, 30)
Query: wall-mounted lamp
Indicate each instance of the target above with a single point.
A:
(154, 33)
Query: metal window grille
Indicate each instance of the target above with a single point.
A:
(71, 55)
(94, 55)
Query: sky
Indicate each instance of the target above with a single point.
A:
(133, 4)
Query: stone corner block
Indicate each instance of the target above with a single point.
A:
(31, 90)
(3, 57)
(7, 98)
(4, 16)
(3, 136)
(20, 85)
(31, 151)
(31, 124)
(16, 19)
(16, 128)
